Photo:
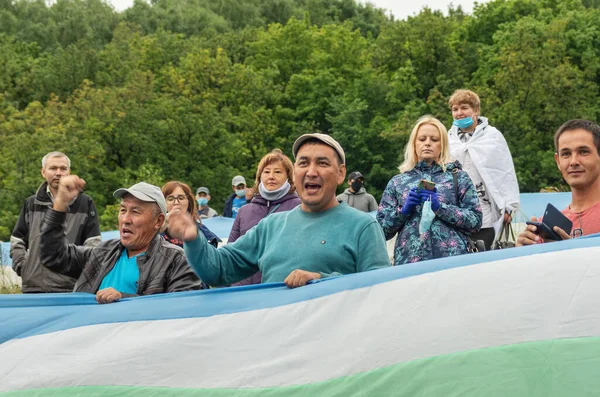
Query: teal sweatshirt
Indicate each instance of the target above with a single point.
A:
(340, 240)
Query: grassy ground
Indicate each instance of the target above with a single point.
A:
(11, 289)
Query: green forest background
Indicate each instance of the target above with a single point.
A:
(200, 90)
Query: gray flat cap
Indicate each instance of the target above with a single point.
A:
(145, 192)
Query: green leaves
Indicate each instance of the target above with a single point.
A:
(200, 90)
(535, 86)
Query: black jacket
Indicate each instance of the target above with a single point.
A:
(164, 268)
(81, 228)
(228, 210)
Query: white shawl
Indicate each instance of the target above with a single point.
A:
(490, 155)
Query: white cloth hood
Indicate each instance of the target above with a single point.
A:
(490, 155)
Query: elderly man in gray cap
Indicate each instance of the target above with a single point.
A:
(140, 262)
(319, 238)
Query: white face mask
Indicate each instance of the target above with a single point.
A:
(427, 217)
(274, 194)
(202, 201)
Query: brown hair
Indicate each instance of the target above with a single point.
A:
(192, 207)
(276, 155)
(465, 96)
(579, 124)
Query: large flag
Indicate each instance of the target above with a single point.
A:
(516, 322)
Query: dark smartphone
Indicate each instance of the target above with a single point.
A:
(424, 184)
(552, 217)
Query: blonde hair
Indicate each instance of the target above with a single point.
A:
(465, 96)
(410, 154)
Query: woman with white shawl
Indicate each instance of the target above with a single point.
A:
(484, 155)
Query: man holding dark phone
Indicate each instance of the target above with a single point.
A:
(577, 156)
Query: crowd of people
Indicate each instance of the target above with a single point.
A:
(454, 187)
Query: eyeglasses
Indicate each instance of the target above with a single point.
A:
(180, 199)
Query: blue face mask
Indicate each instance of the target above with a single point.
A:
(427, 217)
(202, 201)
(463, 123)
(240, 193)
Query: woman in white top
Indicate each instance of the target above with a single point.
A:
(485, 156)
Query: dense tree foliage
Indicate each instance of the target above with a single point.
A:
(199, 90)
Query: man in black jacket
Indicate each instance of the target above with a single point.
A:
(81, 228)
(140, 262)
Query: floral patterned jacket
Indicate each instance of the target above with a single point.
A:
(456, 218)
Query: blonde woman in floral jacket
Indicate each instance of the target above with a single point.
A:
(455, 208)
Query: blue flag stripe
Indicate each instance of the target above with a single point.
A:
(27, 315)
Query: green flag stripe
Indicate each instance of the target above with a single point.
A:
(554, 368)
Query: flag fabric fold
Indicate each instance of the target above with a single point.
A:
(517, 322)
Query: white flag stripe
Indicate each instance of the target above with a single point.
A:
(540, 297)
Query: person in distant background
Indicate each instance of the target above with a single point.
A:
(82, 227)
(179, 195)
(356, 196)
(202, 198)
(274, 192)
(240, 197)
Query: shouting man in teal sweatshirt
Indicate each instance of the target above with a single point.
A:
(318, 239)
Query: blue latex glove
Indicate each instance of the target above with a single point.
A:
(430, 195)
(411, 202)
